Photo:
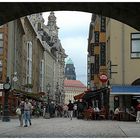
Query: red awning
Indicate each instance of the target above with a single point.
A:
(79, 96)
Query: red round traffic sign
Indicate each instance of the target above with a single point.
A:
(103, 78)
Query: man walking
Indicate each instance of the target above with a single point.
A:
(70, 109)
(27, 112)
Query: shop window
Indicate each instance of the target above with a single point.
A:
(135, 45)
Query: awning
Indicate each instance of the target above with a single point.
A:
(79, 96)
(91, 94)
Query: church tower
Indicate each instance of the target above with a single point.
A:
(52, 27)
(70, 70)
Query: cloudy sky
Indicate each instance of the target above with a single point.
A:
(73, 33)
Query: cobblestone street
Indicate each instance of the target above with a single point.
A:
(65, 128)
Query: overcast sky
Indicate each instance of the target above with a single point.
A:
(73, 34)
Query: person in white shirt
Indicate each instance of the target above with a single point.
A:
(96, 110)
(27, 112)
(116, 113)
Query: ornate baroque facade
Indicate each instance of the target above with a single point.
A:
(35, 56)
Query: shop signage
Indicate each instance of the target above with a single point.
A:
(103, 78)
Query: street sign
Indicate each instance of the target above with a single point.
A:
(1, 86)
(103, 78)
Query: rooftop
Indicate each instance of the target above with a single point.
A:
(74, 83)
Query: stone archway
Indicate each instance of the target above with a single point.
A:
(127, 13)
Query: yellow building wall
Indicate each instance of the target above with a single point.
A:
(119, 36)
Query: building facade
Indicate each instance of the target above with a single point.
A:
(113, 51)
(73, 88)
(33, 56)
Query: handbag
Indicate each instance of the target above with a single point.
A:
(18, 111)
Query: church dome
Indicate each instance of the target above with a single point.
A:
(69, 61)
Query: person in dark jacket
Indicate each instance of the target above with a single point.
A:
(70, 109)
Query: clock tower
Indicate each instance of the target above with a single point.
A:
(70, 70)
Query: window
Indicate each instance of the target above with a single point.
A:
(91, 49)
(102, 54)
(39, 26)
(103, 24)
(0, 69)
(96, 35)
(96, 71)
(1, 43)
(135, 45)
(1, 50)
(29, 62)
(92, 71)
(42, 75)
(1, 36)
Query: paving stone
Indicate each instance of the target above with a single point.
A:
(66, 128)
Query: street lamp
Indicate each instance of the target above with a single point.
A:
(57, 93)
(108, 95)
(48, 107)
(7, 87)
(13, 79)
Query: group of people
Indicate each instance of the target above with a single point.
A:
(26, 108)
(134, 112)
(24, 113)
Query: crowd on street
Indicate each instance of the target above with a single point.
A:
(29, 108)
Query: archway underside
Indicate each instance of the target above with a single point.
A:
(127, 13)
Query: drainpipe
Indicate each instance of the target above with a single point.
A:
(123, 56)
(15, 46)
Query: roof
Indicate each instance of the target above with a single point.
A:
(74, 83)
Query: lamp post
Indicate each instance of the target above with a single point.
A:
(48, 107)
(108, 95)
(7, 87)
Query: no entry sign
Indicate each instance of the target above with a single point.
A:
(103, 78)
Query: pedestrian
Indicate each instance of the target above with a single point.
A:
(116, 113)
(21, 115)
(97, 112)
(70, 109)
(138, 113)
(52, 109)
(65, 110)
(44, 110)
(75, 110)
(27, 112)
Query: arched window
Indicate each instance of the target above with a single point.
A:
(136, 82)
